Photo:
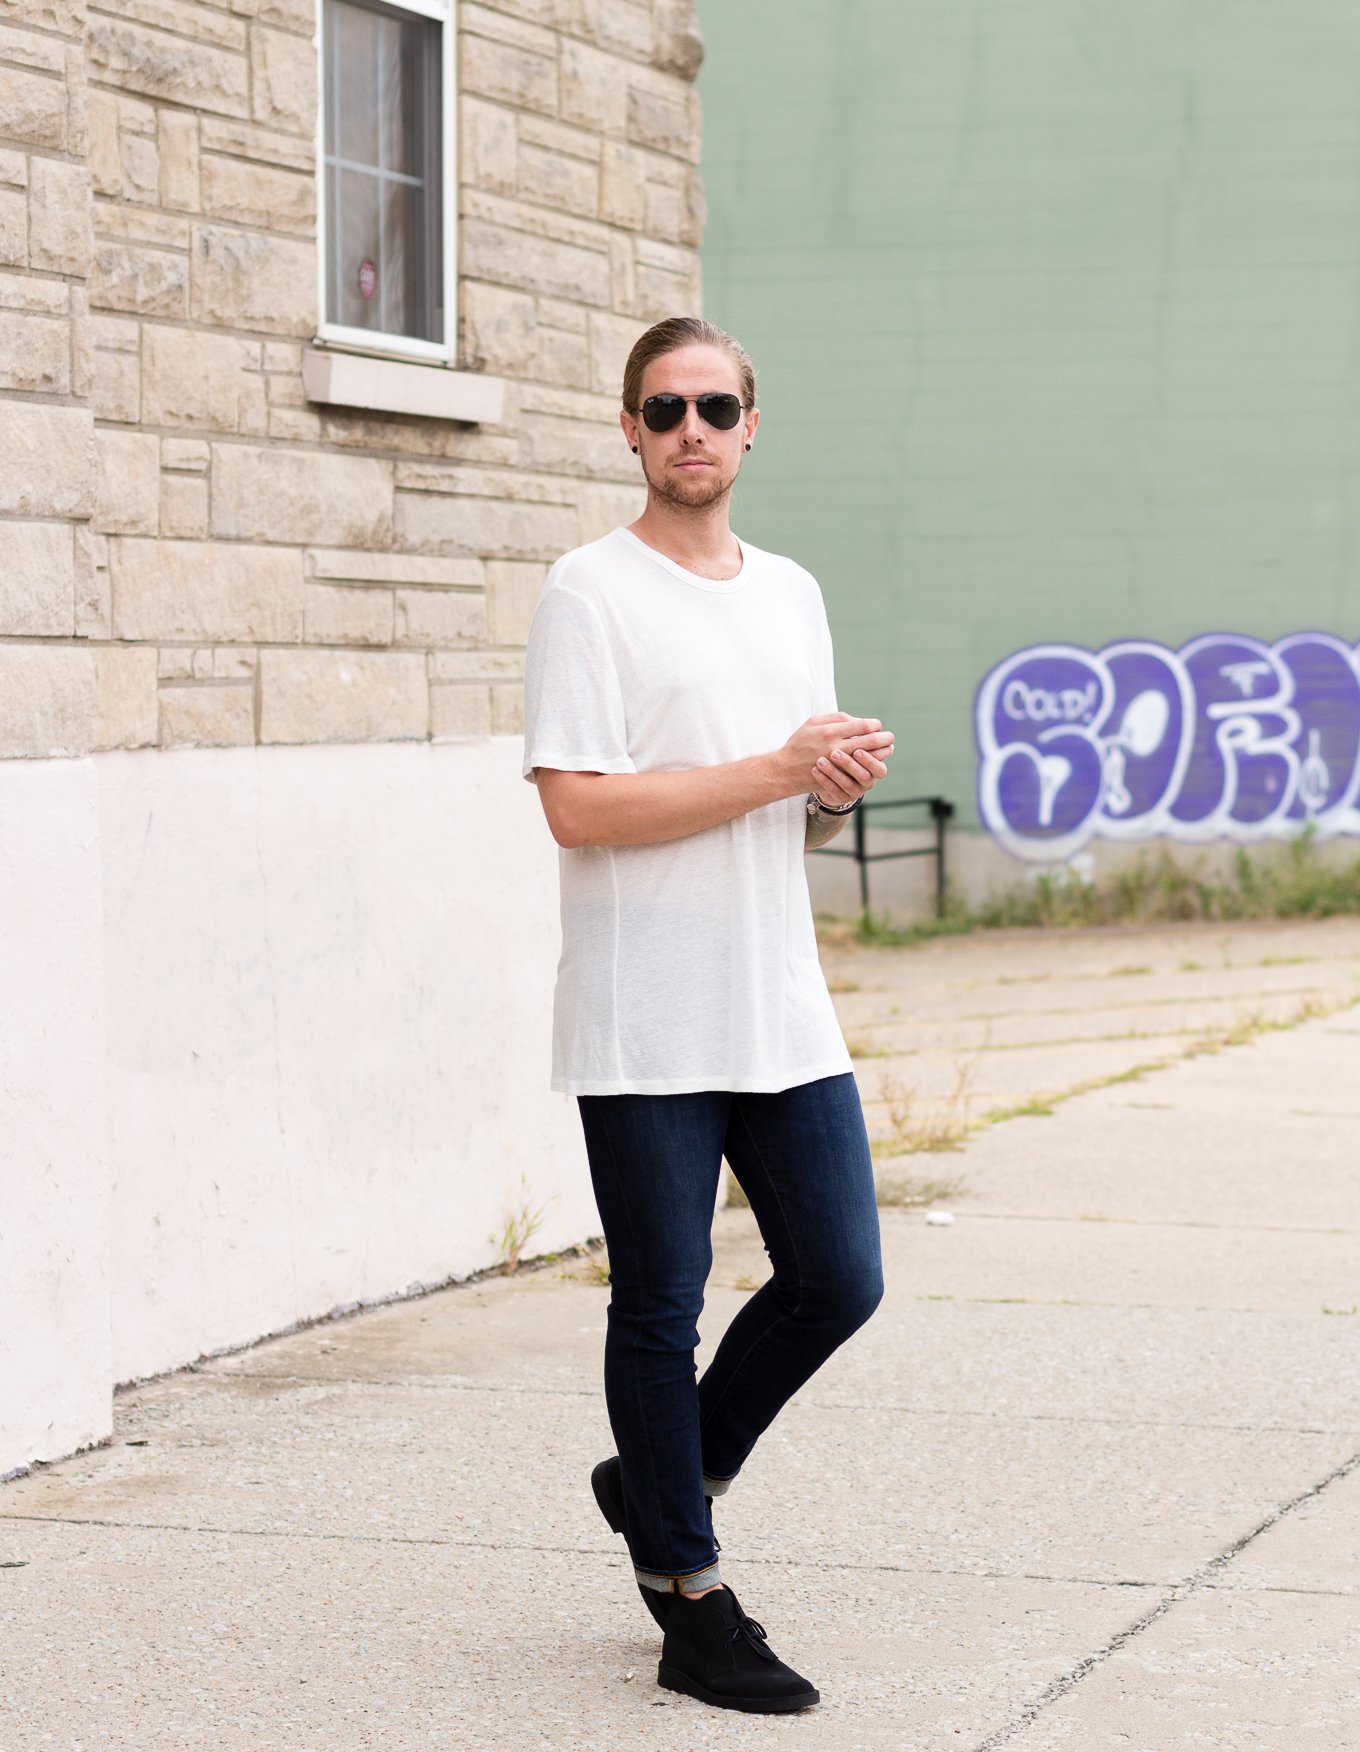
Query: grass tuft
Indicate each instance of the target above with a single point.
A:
(519, 1225)
(913, 1129)
(910, 1192)
(860, 1049)
(594, 1266)
(1252, 1024)
(1289, 880)
(1037, 1107)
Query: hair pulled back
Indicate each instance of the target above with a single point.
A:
(668, 337)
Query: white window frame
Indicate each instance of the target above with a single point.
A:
(371, 341)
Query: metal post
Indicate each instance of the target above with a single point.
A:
(863, 862)
(941, 809)
(939, 868)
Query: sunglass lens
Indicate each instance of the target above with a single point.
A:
(720, 411)
(661, 412)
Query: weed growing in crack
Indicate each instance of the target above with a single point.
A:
(914, 1129)
(521, 1223)
(911, 1192)
(1042, 1106)
(1252, 1024)
(1036, 1107)
(594, 1266)
(736, 1199)
(860, 1049)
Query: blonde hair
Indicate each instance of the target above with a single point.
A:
(668, 337)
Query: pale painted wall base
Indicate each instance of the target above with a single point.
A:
(275, 1040)
(979, 870)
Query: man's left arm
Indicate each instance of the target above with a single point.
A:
(822, 828)
(840, 778)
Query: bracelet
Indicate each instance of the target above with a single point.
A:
(827, 809)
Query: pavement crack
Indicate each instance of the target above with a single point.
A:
(1009, 1414)
(452, 1384)
(1192, 1584)
(950, 1572)
(809, 1403)
(1004, 1216)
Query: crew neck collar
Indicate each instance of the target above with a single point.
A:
(721, 586)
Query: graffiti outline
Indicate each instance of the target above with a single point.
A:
(1225, 737)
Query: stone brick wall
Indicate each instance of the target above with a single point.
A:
(191, 552)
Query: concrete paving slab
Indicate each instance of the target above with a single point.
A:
(1113, 1260)
(1065, 1499)
(1245, 1671)
(493, 1330)
(1018, 957)
(1264, 1135)
(999, 1361)
(288, 1642)
(978, 1017)
(341, 1460)
(969, 1086)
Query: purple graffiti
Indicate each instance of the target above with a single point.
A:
(1225, 738)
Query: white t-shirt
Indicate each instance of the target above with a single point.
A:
(691, 964)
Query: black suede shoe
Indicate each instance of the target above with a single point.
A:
(713, 1651)
(607, 1483)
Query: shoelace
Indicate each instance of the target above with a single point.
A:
(754, 1634)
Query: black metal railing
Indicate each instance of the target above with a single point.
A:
(941, 810)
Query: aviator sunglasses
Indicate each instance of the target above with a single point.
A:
(661, 412)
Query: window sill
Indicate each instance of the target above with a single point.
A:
(354, 380)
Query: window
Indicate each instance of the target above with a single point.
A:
(386, 242)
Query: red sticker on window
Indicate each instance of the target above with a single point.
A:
(368, 278)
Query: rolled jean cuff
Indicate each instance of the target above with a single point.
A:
(716, 1487)
(701, 1579)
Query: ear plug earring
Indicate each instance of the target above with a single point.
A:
(635, 449)
(748, 446)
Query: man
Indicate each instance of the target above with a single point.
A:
(681, 726)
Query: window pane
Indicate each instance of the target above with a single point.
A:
(357, 200)
(383, 124)
(356, 113)
(397, 104)
(399, 304)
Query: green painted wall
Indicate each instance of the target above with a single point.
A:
(1056, 310)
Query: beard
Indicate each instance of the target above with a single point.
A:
(694, 493)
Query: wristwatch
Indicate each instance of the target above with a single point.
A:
(815, 806)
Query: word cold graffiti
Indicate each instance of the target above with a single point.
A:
(1225, 738)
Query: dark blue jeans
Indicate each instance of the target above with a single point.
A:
(802, 1159)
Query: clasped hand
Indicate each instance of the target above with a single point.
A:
(849, 755)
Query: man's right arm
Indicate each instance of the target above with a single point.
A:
(639, 809)
(633, 809)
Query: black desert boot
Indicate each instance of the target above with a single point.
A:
(713, 1651)
(607, 1483)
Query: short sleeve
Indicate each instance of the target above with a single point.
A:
(573, 704)
(826, 670)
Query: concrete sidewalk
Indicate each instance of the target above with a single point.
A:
(1090, 1479)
